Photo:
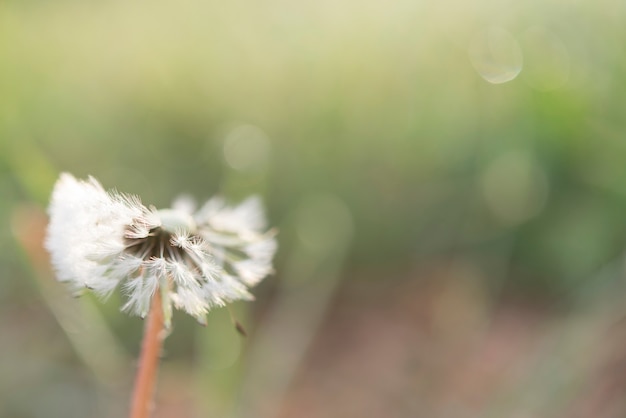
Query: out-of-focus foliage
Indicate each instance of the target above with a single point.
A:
(381, 135)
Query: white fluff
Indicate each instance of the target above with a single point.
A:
(99, 240)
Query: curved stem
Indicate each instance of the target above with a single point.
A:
(145, 379)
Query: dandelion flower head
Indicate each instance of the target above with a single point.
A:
(99, 240)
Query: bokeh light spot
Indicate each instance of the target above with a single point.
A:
(514, 187)
(324, 223)
(247, 148)
(496, 55)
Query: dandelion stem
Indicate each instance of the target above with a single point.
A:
(145, 379)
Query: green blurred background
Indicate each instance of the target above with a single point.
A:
(448, 178)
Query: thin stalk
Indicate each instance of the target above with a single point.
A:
(145, 379)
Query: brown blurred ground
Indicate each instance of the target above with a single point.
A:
(431, 348)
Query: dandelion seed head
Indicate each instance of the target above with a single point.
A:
(102, 240)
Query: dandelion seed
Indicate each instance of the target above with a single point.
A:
(101, 240)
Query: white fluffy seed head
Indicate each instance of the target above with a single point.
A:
(100, 240)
